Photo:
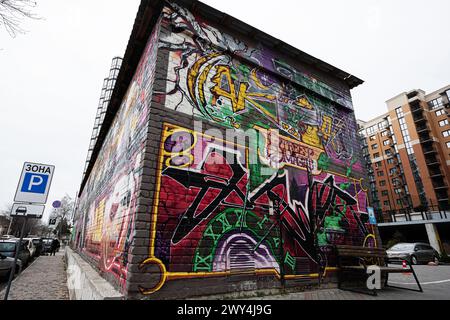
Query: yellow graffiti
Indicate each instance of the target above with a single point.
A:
(257, 82)
(163, 272)
(186, 152)
(311, 137)
(327, 124)
(195, 71)
(98, 222)
(237, 99)
(304, 103)
(237, 94)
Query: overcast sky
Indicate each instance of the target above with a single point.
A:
(51, 77)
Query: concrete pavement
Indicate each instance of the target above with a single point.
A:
(44, 279)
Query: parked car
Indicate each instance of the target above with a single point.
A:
(8, 249)
(47, 245)
(30, 246)
(5, 266)
(415, 253)
(7, 237)
(39, 244)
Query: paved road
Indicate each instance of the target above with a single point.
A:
(435, 282)
(44, 279)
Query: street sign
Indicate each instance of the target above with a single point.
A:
(52, 222)
(34, 183)
(57, 204)
(31, 211)
(372, 218)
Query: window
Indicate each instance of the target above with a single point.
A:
(399, 112)
(388, 153)
(374, 146)
(384, 193)
(443, 123)
(387, 203)
(371, 130)
(448, 145)
(393, 171)
(436, 103)
(446, 133)
(378, 165)
(385, 133)
(386, 142)
(382, 183)
(440, 113)
(383, 125)
(380, 173)
(391, 161)
(373, 138)
(399, 202)
(376, 155)
(398, 191)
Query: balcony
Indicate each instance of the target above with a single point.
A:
(427, 151)
(426, 140)
(434, 175)
(434, 214)
(433, 163)
(422, 129)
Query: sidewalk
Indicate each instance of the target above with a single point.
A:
(44, 279)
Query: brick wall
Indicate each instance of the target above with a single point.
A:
(223, 201)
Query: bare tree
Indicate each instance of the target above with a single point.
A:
(64, 214)
(12, 12)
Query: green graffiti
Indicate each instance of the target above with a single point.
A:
(290, 261)
(263, 221)
(324, 162)
(229, 221)
(346, 186)
(203, 264)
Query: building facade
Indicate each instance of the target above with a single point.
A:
(227, 161)
(408, 150)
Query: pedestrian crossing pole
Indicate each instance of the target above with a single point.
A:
(19, 245)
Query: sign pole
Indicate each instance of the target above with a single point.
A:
(13, 268)
(10, 225)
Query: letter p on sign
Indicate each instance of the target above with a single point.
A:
(35, 183)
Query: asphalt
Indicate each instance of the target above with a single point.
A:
(435, 282)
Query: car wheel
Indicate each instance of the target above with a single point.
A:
(414, 260)
(436, 260)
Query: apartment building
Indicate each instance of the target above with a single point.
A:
(407, 151)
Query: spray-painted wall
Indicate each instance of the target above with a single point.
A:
(235, 169)
(106, 210)
(224, 205)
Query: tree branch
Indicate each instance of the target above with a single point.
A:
(12, 12)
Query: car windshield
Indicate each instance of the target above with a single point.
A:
(36, 241)
(7, 246)
(402, 247)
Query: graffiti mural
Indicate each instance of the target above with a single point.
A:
(221, 79)
(108, 201)
(215, 212)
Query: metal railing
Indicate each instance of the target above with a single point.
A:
(433, 213)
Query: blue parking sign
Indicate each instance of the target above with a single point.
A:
(34, 183)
